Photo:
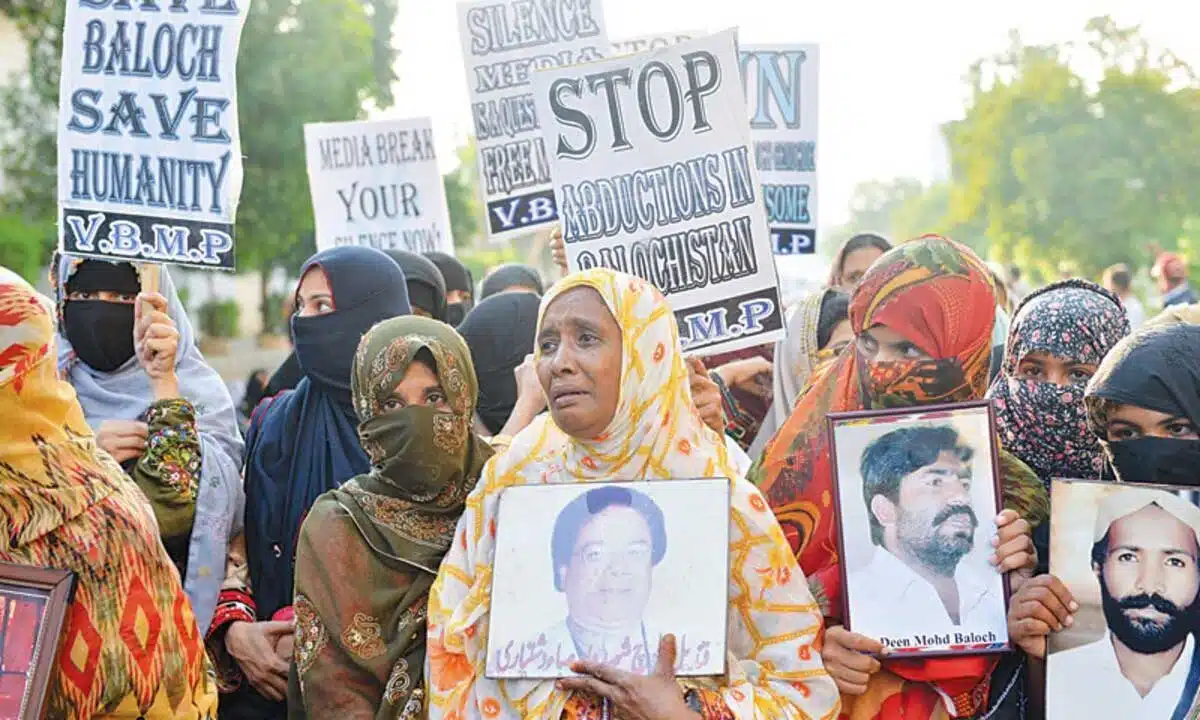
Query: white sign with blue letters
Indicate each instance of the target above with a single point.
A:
(781, 96)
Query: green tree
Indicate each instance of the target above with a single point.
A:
(463, 199)
(1050, 169)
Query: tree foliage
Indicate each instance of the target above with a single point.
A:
(1054, 168)
(463, 198)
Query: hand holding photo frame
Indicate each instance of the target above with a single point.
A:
(33, 610)
(601, 571)
(916, 494)
(1130, 557)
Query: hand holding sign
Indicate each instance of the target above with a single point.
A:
(157, 343)
(849, 659)
(637, 697)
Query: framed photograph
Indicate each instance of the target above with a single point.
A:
(601, 571)
(33, 609)
(1130, 555)
(917, 494)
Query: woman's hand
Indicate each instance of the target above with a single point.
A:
(558, 250)
(706, 396)
(1043, 605)
(636, 697)
(849, 659)
(530, 396)
(744, 374)
(123, 439)
(253, 645)
(1015, 551)
(157, 342)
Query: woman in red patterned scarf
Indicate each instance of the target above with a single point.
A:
(923, 319)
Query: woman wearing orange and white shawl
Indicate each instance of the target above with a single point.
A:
(609, 359)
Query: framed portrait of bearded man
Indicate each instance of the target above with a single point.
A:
(917, 494)
(1130, 557)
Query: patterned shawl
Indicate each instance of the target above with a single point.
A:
(124, 394)
(774, 668)
(369, 550)
(130, 645)
(795, 361)
(1043, 424)
(939, 295)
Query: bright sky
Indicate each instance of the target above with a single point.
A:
(890, 72)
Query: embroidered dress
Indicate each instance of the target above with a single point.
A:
(369, 551)
(774, 667)
(131, 647)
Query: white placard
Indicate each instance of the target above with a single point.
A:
(781, 96)
(149, 159)
(504, 43)
(647, 43)
(593, 570)
(377, 183)
(655, 177)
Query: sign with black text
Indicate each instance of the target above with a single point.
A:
(654, 176)
(149, 159)
(504, 43)
(781, 96)
(377, 183)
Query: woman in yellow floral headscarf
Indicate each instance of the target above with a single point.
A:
(131, 647)
(609, 360)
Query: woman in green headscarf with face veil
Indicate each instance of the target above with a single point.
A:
(369, 551)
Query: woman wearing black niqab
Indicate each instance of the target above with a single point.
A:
(426, 286)
(1144, 405)
(460, 286)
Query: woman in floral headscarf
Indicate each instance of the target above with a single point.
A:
(923, 318)
(1058, 337)
(609, 359)
(369, 550)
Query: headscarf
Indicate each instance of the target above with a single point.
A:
(64, 503)
(402, 513)
(304, 442)
(655, 434)
(1043, 424)
(500, 332)
(511, 275)
(1157, 368)
(458, 278)
(125, 394)
(937, 294)
(795, 360)
(426, 287)
(858, 242)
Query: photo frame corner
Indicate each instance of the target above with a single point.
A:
(56, 588)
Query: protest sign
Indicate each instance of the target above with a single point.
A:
(149, 160)
(504, 42)
(377, 183)
(646, 43)
(654, 177)
(781, 96)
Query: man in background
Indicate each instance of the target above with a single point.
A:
(1119, 281)
(1172, 276)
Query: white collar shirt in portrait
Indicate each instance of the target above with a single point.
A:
(1086, 682)
(888, 599)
